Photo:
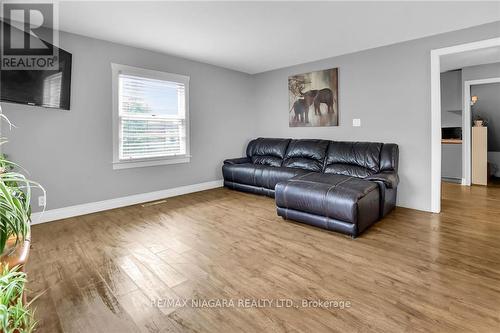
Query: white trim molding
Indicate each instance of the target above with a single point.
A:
(93, 207)
(436, 111)
(466, 128)
(435, 132)
(152, 162)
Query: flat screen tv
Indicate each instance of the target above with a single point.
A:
(46, 88)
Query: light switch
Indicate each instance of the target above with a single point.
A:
(356, 122)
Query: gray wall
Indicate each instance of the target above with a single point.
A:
(70, 152)
(389, 89)
(451, 161)
(451, 99)
(488, 107)
(451, 116)
(480, 72)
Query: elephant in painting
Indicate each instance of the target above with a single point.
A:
(323, 96)
(301, 110)
(317, 97)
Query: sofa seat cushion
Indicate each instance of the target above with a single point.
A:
(271, 176)
(349, 170)
(242, 173)
(331, 196)
(267, 160)
(258, 175)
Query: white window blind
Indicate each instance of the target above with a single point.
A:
(52, 90)
(152, 118)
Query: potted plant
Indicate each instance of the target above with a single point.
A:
(15, 210)
(15, 314)
(15, 219)
(479, 121)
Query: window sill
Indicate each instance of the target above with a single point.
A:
(148, 163)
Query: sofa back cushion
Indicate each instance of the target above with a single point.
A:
(266, 151)
(358, 159)
(306, 154)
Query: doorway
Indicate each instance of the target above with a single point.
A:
(436, 130)
(482, 111)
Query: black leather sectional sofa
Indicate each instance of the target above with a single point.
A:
(340, 186)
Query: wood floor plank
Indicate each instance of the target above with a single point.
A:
(163, 271)
(412, 271)
(146, 318)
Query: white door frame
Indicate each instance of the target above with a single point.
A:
(436, 111)
(466, 128)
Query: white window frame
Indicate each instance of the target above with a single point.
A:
(116, 70)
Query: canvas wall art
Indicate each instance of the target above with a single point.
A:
(313, 99)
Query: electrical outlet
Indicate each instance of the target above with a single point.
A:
(356, 122)
(41, 201)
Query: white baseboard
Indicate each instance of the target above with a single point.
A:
(92, 207)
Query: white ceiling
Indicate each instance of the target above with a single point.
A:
(254, 37)
(470, 58)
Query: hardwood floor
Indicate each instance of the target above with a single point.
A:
(413, 271)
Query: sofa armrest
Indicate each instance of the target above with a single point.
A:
(239, 160)
(389, 178)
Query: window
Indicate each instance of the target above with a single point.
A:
(150, 117)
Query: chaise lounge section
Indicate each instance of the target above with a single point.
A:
(340, 186)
